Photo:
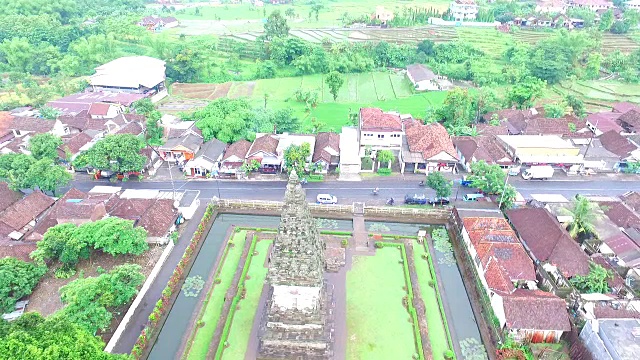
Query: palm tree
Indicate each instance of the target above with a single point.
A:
(584, 216)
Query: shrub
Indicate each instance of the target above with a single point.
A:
(379, 244)
(217, 281)
(316, 177)
(344, 242)
(449, 354)
(432, 283)
(384, 171)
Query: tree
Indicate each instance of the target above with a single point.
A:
(265, 70)
(426, 47)
(118, 153)
(290, 13)
(489, 179)
(250, 166)
(583, 213)
(606, 20)
(296, 156)
(44, 146)
(14, 168)
(18, 280)
(576, 105)
(34, 337)
(334, 80)
(48, 112)
(385, 157)
(89, 302)
(437, 182)
(554, 111)
(47, 176)
(114, 236)
(285, 121)
(275, 26)
(525, 92)
(227, 120)
(456, 112)
(594, 282)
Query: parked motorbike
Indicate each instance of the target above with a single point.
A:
(390, 201)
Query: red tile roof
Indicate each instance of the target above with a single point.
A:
(6, 119)
(7, 196)
(376, 120)
(548, 240)
(74, 143)
(560, 127)
(266, 143)
(482, 148)
(620, 214)
(325, 140)
(623, 107)
(238, 148)
(100, 109)
(616, 143)
(16, 249)
(155, 215)
(605, 121)
(604, 311)
(32, 124)
(21, 213)
(632, 199)
(133, 128)
(630, 120)
(430, 140)
(535, 310)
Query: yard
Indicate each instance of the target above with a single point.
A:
(212, 308)
(244, 316)
(376, 285)
(435, 324)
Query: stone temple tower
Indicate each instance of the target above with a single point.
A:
(297, 322)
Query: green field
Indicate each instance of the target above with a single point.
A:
(435, 323)
(245, 314)
(378, 325)
(210, 314)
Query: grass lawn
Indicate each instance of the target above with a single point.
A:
(215, 299)
(437, 331)
(244, 316)
(378, 325)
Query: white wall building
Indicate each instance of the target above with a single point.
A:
(462, 10)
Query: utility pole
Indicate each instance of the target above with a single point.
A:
(506, 181)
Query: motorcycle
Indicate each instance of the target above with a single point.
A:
(390, 201)
(421, 183)
(303, 181)
(375, 191)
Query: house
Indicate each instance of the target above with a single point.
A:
(350, 160)
(286, 140)
(471, 149)
(551, 6)
(514, 120)
(602, 122)
(326, 153)
(234, 156)
(462, 10)
(565, 127)
(596, 156)
(73, 145)
(104, 110)
(131, 74)
(378, 130)
(181, 146)
(264, 149)
(630, 121)
(540, 149)
(423, 79)
(617, 144)
(21, 216)
(592, 5)
(427, 148)
(156, 215)
(76, 103)
(536, 316)
(21, 126)
(157, 23)
(383, 15)
(206, 159)
(612, 339)
(631, 199)
(548, 242)
(8, 197)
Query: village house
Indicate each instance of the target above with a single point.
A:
(549, 243)
(73, 145)
(596, 156)
(514, 120)
(427, 148)
(264, 150)
(630, 121)
(541, 149)
(326, 153)
(158, 23)
(378, 130)
(592, 5)
(485, 148)
(131, 74)
(462, 10)
(612, 339)
(206, 159)
(350, 160)
(601, 122)
(104, 110)
(423, 79)
(181, 145)
(234, 156)
(286, 140)
(620, 146)
(20, 217)
(551, 6)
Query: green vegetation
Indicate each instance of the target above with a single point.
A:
(18, 280)
(437, 182)
(375, 286)
(34, 337)
(243, 318)
(583, 214)
(212, 307)
(491, 179)
(118, 153)
(21, 171)
(597, 281)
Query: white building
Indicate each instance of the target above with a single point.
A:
(592, 5)
(633, 4)
(131, 74)
(379, 130)
(463, 10)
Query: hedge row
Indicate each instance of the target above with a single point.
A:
(336, 232)
(172, 287)
(234, 304)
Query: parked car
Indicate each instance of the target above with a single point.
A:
(415, 199)
(326, 199)
(439, 201)
(472, 197)
(464, 182)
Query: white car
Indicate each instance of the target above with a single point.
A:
(326, 199)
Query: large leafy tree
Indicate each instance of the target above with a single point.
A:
(33, 337)
(227, 120)
(491, 179)
(118, 153)
(17, 279)
(295, 157)
(583, 213)
(45, 175)
(276, 26)
(59, 243)
(385, 157)
(14, 168)
(440, 184)
(334, 80)
(114, 236)
(457, 111)
(597, 281)
(90, 302)
(524, 93)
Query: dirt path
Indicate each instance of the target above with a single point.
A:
(228, 298)
(417, 301)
